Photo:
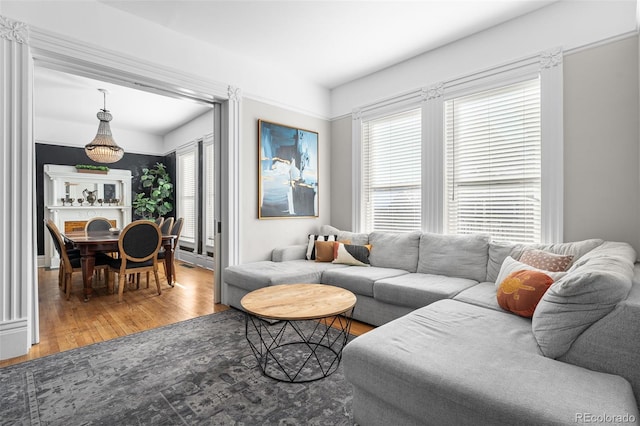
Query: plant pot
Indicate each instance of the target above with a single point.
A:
(95, 172)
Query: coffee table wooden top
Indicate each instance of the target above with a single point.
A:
(295, 302)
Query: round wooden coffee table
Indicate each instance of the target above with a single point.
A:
(297, 331)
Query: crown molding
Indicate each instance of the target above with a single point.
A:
(64, 54)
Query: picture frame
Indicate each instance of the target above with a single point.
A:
(287, 171)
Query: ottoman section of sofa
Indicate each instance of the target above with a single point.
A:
(456, 363)
(418, 290)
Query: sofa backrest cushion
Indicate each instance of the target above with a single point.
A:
(345, 236)
(398, 250)
(588, 292)
(498, 251)
(461, 256)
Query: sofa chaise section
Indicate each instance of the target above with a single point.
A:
(456, 363)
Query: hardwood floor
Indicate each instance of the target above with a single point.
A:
(68, 324)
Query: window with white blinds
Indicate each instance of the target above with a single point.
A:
(187, 178)
(493, 163)
(210, 221)
(391, 167)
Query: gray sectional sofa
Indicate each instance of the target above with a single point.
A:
(446, 353)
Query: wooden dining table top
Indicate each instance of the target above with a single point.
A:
(93, 236)
(80, 237)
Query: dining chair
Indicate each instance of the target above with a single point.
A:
(138, 247)
(166, 226)
(69, 265)
(159, 221)
(98, 224)
(176, 229)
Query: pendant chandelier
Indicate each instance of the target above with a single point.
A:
(103, 149)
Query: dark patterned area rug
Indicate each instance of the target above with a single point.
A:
(196, 372)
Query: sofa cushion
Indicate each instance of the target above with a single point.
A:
(482, 294)
(455, 363)
(586, 294)
(255, 275)
(462, 256)
(346, 236)
(498, 251)
(611, 344)
(521, 291)
(418, 290)
(357, 279)
(395, 250)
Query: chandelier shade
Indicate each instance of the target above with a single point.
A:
(103, 149)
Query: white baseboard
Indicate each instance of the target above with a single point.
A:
(14, 338)
(195, 259)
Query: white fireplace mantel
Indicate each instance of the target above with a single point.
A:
(66, 182)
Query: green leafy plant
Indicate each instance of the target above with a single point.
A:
(157, 191)
(91, 167)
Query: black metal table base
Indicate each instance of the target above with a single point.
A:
(298, 351)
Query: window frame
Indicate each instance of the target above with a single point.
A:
(547, 65)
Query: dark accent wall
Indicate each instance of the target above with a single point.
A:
(70, 156)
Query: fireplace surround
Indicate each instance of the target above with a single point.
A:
(65, 182)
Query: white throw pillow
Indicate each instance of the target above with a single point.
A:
(511, 265)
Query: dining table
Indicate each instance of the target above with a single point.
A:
(94, 242)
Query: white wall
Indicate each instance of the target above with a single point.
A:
(194, 129)
(601, 152)
(95, 23)
(260, 236)
(567, 24)
(73, 133)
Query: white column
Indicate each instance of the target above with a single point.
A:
(228, 252)
(18, 311)
(433, 156)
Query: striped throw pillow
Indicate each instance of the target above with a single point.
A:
(311, 245)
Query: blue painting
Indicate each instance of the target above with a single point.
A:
(288, 171)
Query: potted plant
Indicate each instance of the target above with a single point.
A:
(157, 191)
(88, 168)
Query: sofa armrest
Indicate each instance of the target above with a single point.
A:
(282, 254)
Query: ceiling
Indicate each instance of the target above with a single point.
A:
(326, 42)
(329, 42)
(71, 98)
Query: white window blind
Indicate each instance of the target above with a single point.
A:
(187, 195)
(209, 196)
(391, 166)
(493, 163)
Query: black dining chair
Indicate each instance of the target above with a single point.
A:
(98, 224)
(159, 221)
(176, 229)
(138, 247)
(166, 226)
(69, 265)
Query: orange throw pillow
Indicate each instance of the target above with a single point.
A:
(521, 291)
(324, 251)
